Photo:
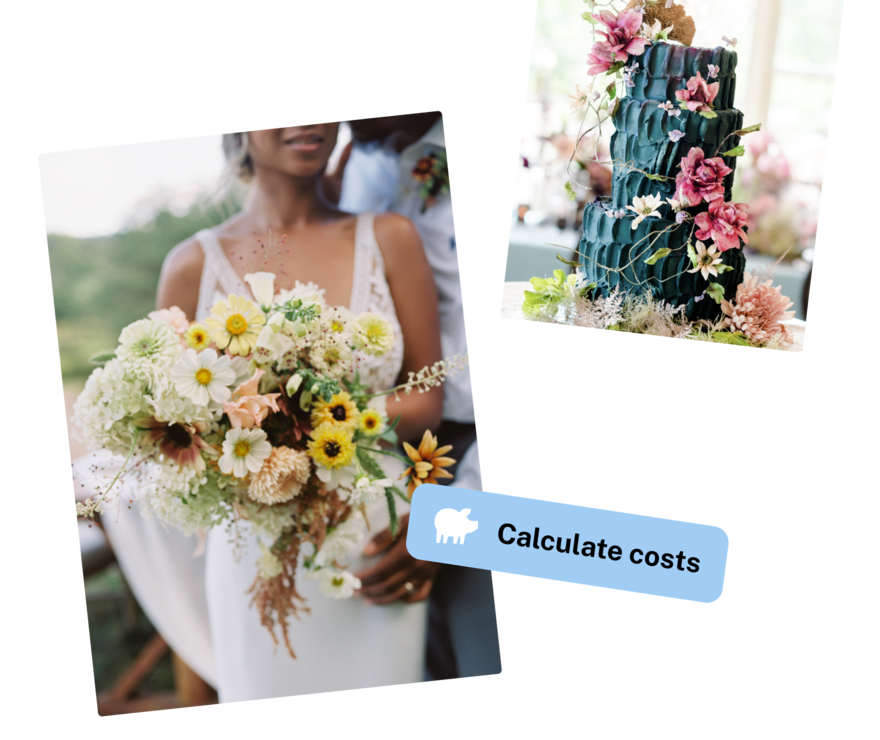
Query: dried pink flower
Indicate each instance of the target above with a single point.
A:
(621, 40)
(700, 178)
(724, 224)
(757, 310)
(698, 96)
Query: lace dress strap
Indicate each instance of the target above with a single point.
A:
(218, 275)
(365, 249)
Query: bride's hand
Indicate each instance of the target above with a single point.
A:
(386, 582)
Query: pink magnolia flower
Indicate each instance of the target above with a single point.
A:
(758, 310)
(698, 95)
(621, 40)
(174, 317)
(724, 224)
(247, 408)
(700, 178)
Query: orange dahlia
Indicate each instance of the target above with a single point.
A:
(428, 462)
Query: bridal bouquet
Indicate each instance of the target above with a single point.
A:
(258, 414)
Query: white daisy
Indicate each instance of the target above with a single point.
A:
(244, 450)
(203, 376)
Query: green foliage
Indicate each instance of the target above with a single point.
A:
(729, 337)
(102, 358)
(548, 292)
(658, 255)
(716, 292)
(102, 284)
(738, 151)
(570, 192)
(749, 130)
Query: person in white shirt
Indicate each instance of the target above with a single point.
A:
(399, 164)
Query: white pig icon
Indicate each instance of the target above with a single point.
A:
(455, 524)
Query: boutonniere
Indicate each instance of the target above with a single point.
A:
(432, 174)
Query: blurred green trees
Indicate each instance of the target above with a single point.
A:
(102, 284)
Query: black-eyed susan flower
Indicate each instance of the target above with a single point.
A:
(339, 411)
(371, 422)
(235, 324)
(331, 446)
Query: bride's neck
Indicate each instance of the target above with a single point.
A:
(280, 202)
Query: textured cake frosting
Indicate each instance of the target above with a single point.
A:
(641, 142)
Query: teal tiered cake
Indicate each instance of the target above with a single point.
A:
(614, 255)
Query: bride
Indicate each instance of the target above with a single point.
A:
(365, 263)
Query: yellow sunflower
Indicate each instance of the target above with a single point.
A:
(338, 412)
(331, 446)
(428, 462)
(235, 323)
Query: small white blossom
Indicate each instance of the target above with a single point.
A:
(645, 208)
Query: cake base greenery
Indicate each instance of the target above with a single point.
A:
(570, 300)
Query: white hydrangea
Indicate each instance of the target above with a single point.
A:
(111, 399)
(205, 505)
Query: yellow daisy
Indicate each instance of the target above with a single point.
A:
(371, 422)
(197, 337)
(331, 446)
(339, 412)
(235, 324)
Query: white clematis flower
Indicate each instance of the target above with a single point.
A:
(645, 208)
(707, 259)
(262, 286)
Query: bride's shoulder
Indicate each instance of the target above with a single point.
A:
(180, 276)
(397, 236)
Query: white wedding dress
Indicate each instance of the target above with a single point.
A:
(342, 643)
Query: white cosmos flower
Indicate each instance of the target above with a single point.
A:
(203, 376)
(262, 286)
(645, 208)
(336, 479)
(335, 584)
(244, 450)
